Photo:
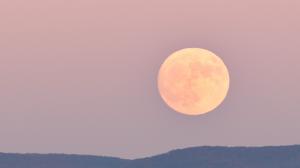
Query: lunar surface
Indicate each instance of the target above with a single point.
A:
(193, 81)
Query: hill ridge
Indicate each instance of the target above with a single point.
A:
(285, 156)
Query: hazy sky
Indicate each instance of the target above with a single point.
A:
(79, 76)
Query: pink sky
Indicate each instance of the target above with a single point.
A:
(79, 76)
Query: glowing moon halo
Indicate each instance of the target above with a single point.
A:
(193, 81)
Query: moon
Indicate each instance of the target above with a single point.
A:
(193, 81)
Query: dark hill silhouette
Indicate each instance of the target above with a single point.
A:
(197, 157)
(58, 161)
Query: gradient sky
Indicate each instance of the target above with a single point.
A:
(79, 76)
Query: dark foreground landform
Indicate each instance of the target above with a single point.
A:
(197, 157)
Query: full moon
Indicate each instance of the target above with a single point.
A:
(193, 81)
